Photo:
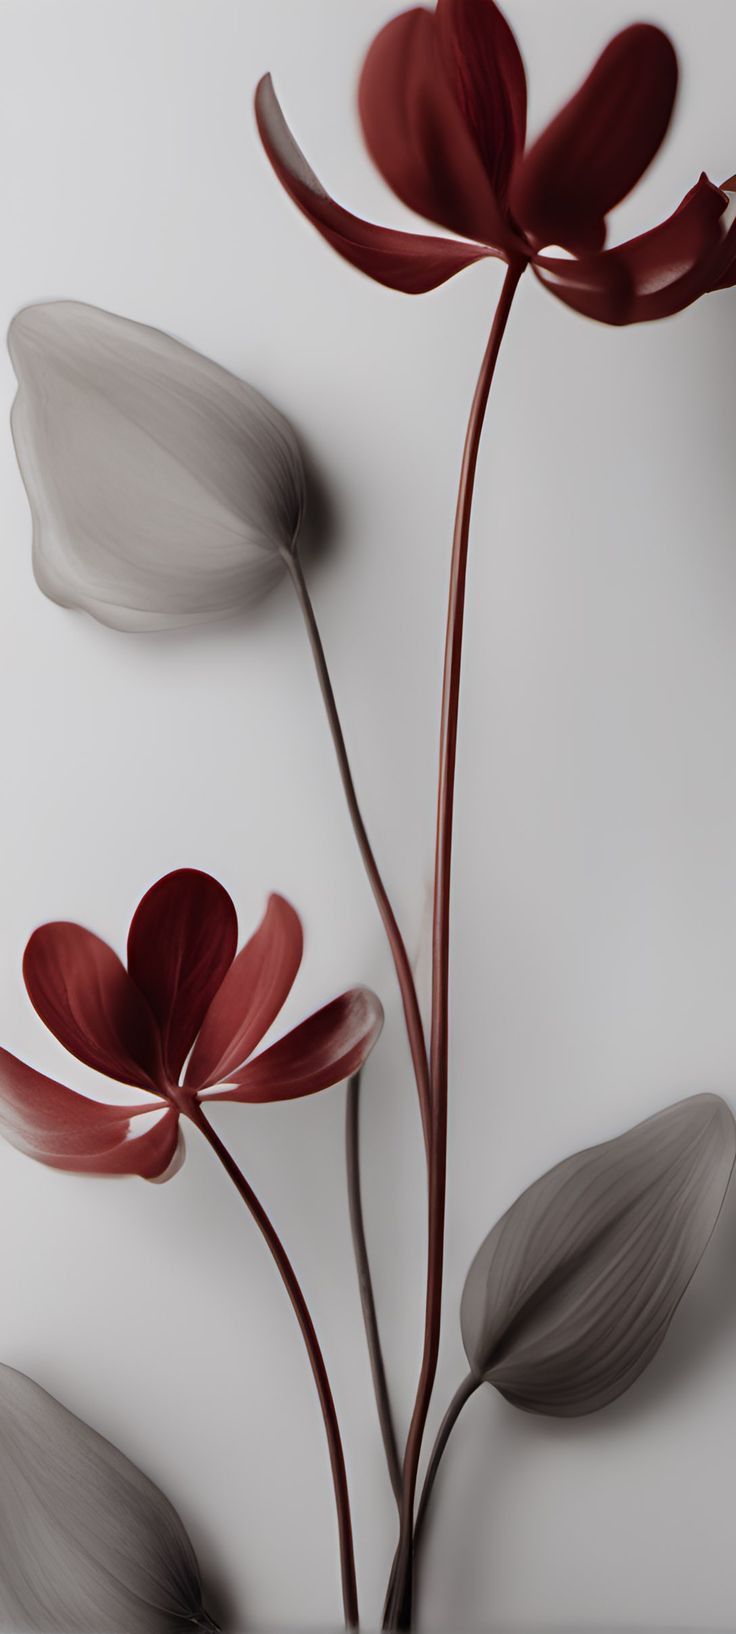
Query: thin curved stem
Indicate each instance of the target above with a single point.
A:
(398, 1607)
(461, 1396)
(316, 1360)
(402, 963)
(365, 1285)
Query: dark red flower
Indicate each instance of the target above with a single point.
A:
(181, 1022)
(443, 105)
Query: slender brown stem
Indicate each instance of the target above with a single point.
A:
(402, 963)
(316, 1360)
(398, 1607)
(365, 1285)
(461, 1396)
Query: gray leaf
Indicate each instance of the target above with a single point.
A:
(571, 1294)
(88, 1545)
(163, 490)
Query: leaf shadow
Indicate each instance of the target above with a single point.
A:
(322, 518)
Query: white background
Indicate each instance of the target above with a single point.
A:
(594, 940)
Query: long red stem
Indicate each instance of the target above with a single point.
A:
(316, 1359)
(398, 1608)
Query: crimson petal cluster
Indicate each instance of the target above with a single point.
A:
(442, 101)
(181, 1022)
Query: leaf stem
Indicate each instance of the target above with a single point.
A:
(398, 1608)
(365, 1285)
(461, 1396)
(402, 963)
(316, 1360)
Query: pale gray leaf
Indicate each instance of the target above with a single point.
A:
(163, 490)
(88, 1545)
(572, 1292)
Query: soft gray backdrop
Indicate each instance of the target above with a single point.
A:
(594, 975)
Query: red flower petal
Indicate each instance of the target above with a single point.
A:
(416, 132)
(323, 1050)
(484, 65)
(86, 998)
(57, 1126)
(727, 279)
(601, 142)
(724, 272)
(407, 261)
(181, 943)
(652, 276)
(250, 998)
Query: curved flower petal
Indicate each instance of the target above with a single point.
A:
(86, 998)
(572, 1293)
(55, 1125)
(177, 1157)
(484, 64)
(250, 997)
(724, 272)
(416, 132)
(595, 150)
(88, 1541)
(182, 941)
(321, 1051)
(655, 275)
(163, 490)
(407, 261)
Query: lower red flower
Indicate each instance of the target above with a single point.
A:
(181, 1022)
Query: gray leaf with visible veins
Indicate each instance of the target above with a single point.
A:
(571, 1294)
(163, 489)
(88, 1545)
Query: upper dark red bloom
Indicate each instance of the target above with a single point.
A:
(442, 102)
(181, 1022)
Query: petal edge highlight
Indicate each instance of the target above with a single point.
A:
(65, 1130)
(321, 1051)
(250, 997)
(409, 262)
(655, 275)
